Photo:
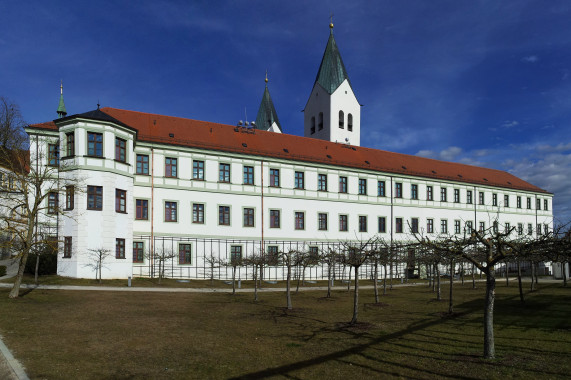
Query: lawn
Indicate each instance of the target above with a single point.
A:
(60, 334)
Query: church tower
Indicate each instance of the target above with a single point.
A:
(267, 119)
(332, 111)
(61, 111)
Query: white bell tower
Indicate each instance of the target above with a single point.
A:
(332, 111)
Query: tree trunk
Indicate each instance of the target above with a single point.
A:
(391, 276)
(356, 297)
(37, 269)
(100, 262)
(563, 265)
(428, 275)
(298, 280)
(349, 283)
(376, 277)
(328, 281)
(507, 276)
(536, 273)
(255, 283)
(473, 277)
(450, 302)
(462, 272)
(519, 282)
(438, 294)
(434, 271)
(385, 281)
(303, 276)
(15, 292)
(532, 276)
(233, 280)
(288, 288)
(489, 347)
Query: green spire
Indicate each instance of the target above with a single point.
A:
(61, 108)
(332, 71)
(267, 114)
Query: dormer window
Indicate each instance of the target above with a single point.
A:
(341, 120)
(313, 125)
(350, 123)
(320, 125)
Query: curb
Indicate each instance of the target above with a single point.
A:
(12, 362)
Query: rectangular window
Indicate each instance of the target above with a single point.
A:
(538, 204)
(224, 215)
(70, 144)
(342, 184)
(299, 220)
(142, 209)
(248, 217)
(138, 252)
(53, 154)
(362, 186)
(518, 202)
(443, 195)
(414, 225)
(299, 180)
(398, 190)
(120, 149)
(483, 226)
(528, 203)
(545, 229)
(457, 229)
(469, 227)
(274, 218)
(322, 221)
(398, 225)
(545, 204)
(539, 229)
(520, 228)
(495, 227)
(274, 178)
(430, 226)
(481, 199)
(381, 190)
(235, 254)
(456, 195)
(69, 197)
(67, 247)
(94, 144)
(507, 228)
(95, 198)
(443, 226)
(273, 256)
(382, 224)
(413, 191)
(120, 201)
(494, 199)
(119, 248)
(429, 193)
(185, 254)
(171, 212)
(224, 173)
(198, 213)
(322, 182)
(170, 167)
(469, 197)
(314, 254)
(198, 170)
(529, 228)
(248, 175)
(506, 200)
(362, 224)
(142, 164)
(343, 223)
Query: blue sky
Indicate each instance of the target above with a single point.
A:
(480, 82)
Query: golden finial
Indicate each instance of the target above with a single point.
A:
(266, 76)
(331, 21)
(61, 87)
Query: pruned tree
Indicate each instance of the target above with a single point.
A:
(96, 260)
(234, 262)
(288, 259)
(329, 257)
(257, 261)
(160, 258)
(29, 194)
(213, 263)
(355, 254)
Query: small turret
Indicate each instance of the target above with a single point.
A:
(267, 119)
(61, 111)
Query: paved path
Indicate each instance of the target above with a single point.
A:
(10, 368)
(11, 268)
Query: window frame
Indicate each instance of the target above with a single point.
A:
(69, 197)
(120, 248)
(138, 252)
(67, 247)
(70, 144)
(121, 201)
(171, 209)
(198, 213)
(382, 224)
(142, 167)
(299, 178)
(223, 215)
(120, 149)
(429, 193)
(95, 145)
(322, 221)
(198, 170)
(398, 189)
(53, 155)
(184, 254)
(343, 184)
(96, 192)
(363, 225)
(362, 186)
(141, 209)
(171, 167)
(275, 220)
(381, 189)
(343, 222)
(223, 172)
(299, 220)
(322, 182)
(274, 177)
(248, 175)
(248, 215)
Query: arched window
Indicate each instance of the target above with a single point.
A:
(350, 123)
(341, 120)
(320, 125)
(312, 124)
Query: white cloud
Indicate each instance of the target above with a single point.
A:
(509, 124)
(448, 154)
(530, 58)
(550, 149)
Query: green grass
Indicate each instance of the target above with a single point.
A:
(93, 335)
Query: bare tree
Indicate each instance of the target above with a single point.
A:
(235, 262)
(288, 259)
(96, 261)
(257, 261)
(161, 258)
(213, 264)
(329, 257)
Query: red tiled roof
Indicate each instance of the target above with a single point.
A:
(227, 138)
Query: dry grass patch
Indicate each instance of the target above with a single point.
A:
(94, 335)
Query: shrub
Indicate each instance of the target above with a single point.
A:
(2, 270)
(48, 262)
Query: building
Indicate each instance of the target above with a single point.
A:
(196, 189)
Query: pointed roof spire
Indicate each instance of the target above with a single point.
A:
(332, 71)
(61, 111)
(267, 114)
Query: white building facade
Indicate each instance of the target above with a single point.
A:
(152, 183)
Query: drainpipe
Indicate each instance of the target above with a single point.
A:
(262, 199)
(152, 245)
